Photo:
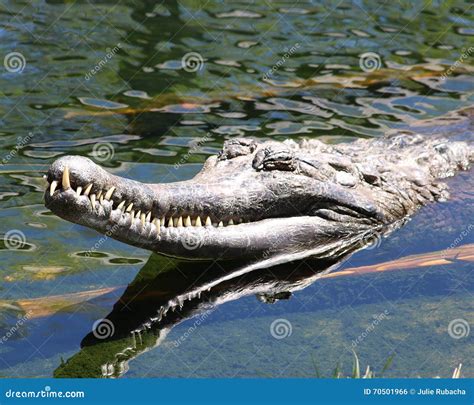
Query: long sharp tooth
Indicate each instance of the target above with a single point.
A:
(170, 222)
(198, 221)
(121, 205)
(109, 193)
(138, 214)
(180, 222)
(92, 197)
(148, 217)
(88, 189)
(132, 214)
(66, 182)
(156, 222)
(143, 218)
(208, 221)
(101, 199)
(231, 222)
(129, 208)
(221, 224)
(163, 221)
(187, 221)
(99, 195)
(54, 184)
(79, 191)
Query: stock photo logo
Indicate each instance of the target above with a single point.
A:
(371, 240)
(192, 240)
(14, 62)
(103, 329)
(459, 328)
(281, 328)
(14, 239)
(370, 62)
(192, 62)
(103, 151)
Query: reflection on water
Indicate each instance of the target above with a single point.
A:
(270, 71)
(165, 294)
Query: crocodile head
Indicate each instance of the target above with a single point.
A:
(250, 200)
(256, 199)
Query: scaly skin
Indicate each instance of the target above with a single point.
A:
(271, 200)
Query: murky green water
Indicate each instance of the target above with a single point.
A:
(107, 81)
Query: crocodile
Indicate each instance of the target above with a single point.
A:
(269, 200)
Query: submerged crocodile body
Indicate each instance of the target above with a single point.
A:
(271, 199)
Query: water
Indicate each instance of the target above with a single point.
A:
(107, 81)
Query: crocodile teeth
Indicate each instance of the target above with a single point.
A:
(99, 195)
(208, 221)
(170, 222)
(162, 221)
(109, 193)
(138, 214)
(121, 205)
(231, 222)
(78, 191)
(179, 224)
(54, 184)
(198, 221)
(143, 219)
(148, 217)
(93, 200)
(187, 221)
(88, 189)
(221, 224)
(157, 224)
(66, 182)
(129, 208)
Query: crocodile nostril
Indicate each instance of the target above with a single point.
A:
(237, 147)
(274, 158)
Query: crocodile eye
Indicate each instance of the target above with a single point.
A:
(237, 147)
(274, 158)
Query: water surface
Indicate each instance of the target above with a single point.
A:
(106, 80)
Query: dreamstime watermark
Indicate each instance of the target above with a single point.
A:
(14, 239)
(370, 62)
(459, 328)
(101, 241)
(103, 328)
(377, 319)
(199, 320)
(109, 54)
(462, 235)
(281, 328)
(192, 62)
(14, 62)
(193, 240)
(103, 151)
(288, 53)
(47, 392)
(194, 147)
(278, 240)
(20, 144)
(14, 329)
(371, 240)
(464, 55)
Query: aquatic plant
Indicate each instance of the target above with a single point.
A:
(369, 373)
